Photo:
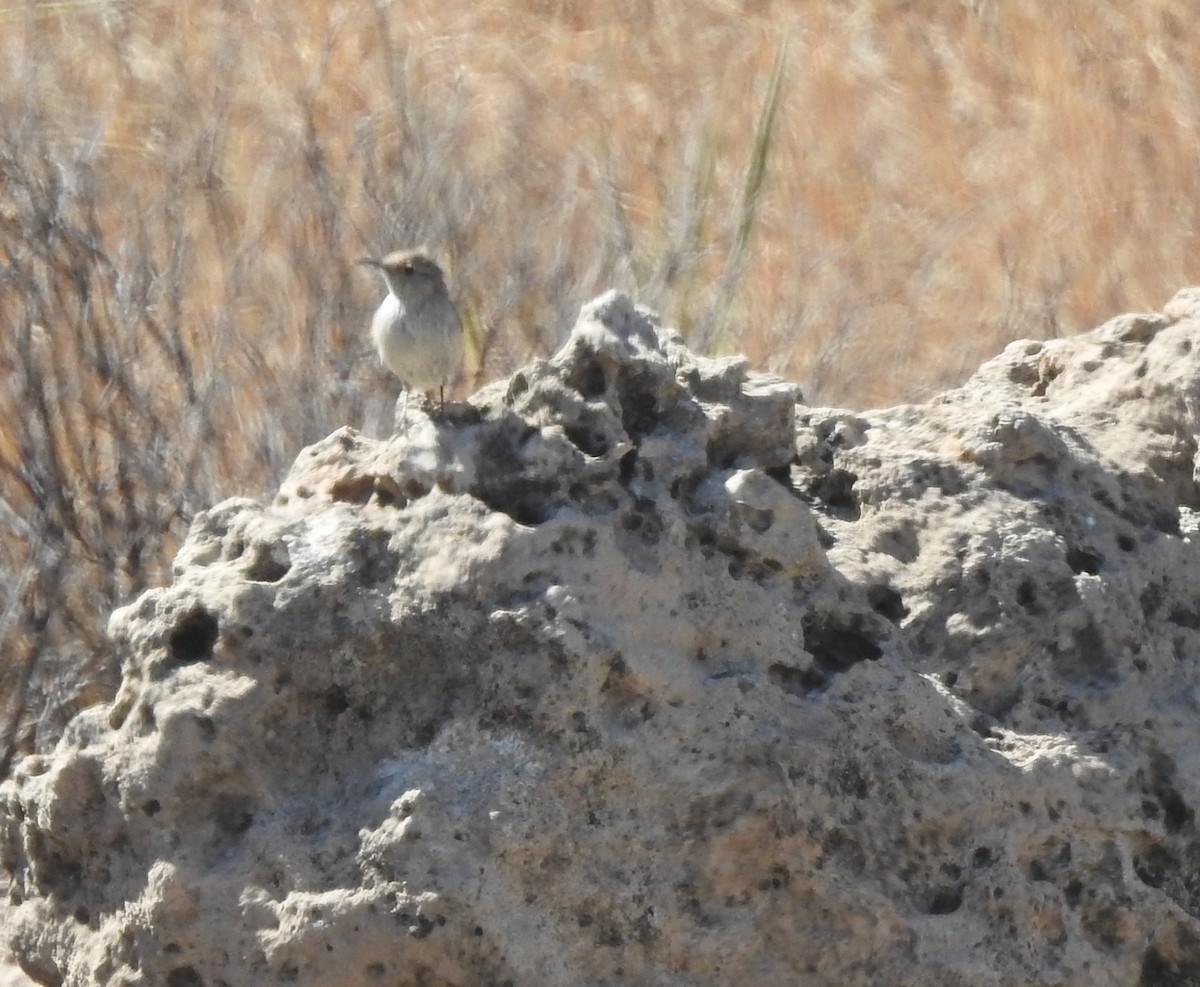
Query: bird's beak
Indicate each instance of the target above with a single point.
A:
(369, 262)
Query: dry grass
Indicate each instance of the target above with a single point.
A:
(184, 189)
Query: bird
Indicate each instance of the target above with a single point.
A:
(417, 329)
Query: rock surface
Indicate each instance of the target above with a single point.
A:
(641, 673)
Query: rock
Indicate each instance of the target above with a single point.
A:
(635, 671)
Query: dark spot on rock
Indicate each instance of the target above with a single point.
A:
(849, 779)
(837, 646)
(835, 490)
(587, 439)
(1125, 543)
(389, 493)
(528, 502)
(644, 520)
(151, 807)
(759, 520)
(1087, 660)
(1162, 970)
(780, 878)
(1166, 520)
(796, 681)
(352, 489)
(1151, 599)
(1052, 861)
(518, 384)
(887, 602)
(421, 927)
(1083, 560)
(985, 726)
(626, 466)
(944, 901)
(983, 857)
(1028, 599)
(232, 814)
(336, 701)
(1159, 780)
(1184, 618)
(269, 565)
(194, 637)
(639, 406)
(1176, 812)
(82, 915)
(1153, 864)
(184, 976)
(587, 377)
(610, 937)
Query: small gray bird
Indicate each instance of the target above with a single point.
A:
(417, 329)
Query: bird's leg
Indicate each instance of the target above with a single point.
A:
(404, 411)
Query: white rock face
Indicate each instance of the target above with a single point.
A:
(640, 673)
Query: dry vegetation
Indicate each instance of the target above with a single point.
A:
(869, 196)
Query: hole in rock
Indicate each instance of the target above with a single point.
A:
(587, 440)
(232, 814)
(1151, 599)
(1184, 618)
(796, 681)
(837, 646)
(588, 379)
(336, 701)
(528, 502)
(626, 467)
(835, 490)
(271, 564)
(1027, 597)
(644, 521)
(1153, 865)
(886, 602)
(1161, 970)
(353, 489)
(194, 637)
(1082, 560)
(944, 901)
(1176, 813)
(982, 857)
(184, 976)
(639, 406)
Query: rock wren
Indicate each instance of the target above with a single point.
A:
(417, 329)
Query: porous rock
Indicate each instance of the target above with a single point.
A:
(638, 672)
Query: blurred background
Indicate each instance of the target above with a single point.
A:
(867, 196)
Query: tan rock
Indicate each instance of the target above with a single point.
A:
(638, 673)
